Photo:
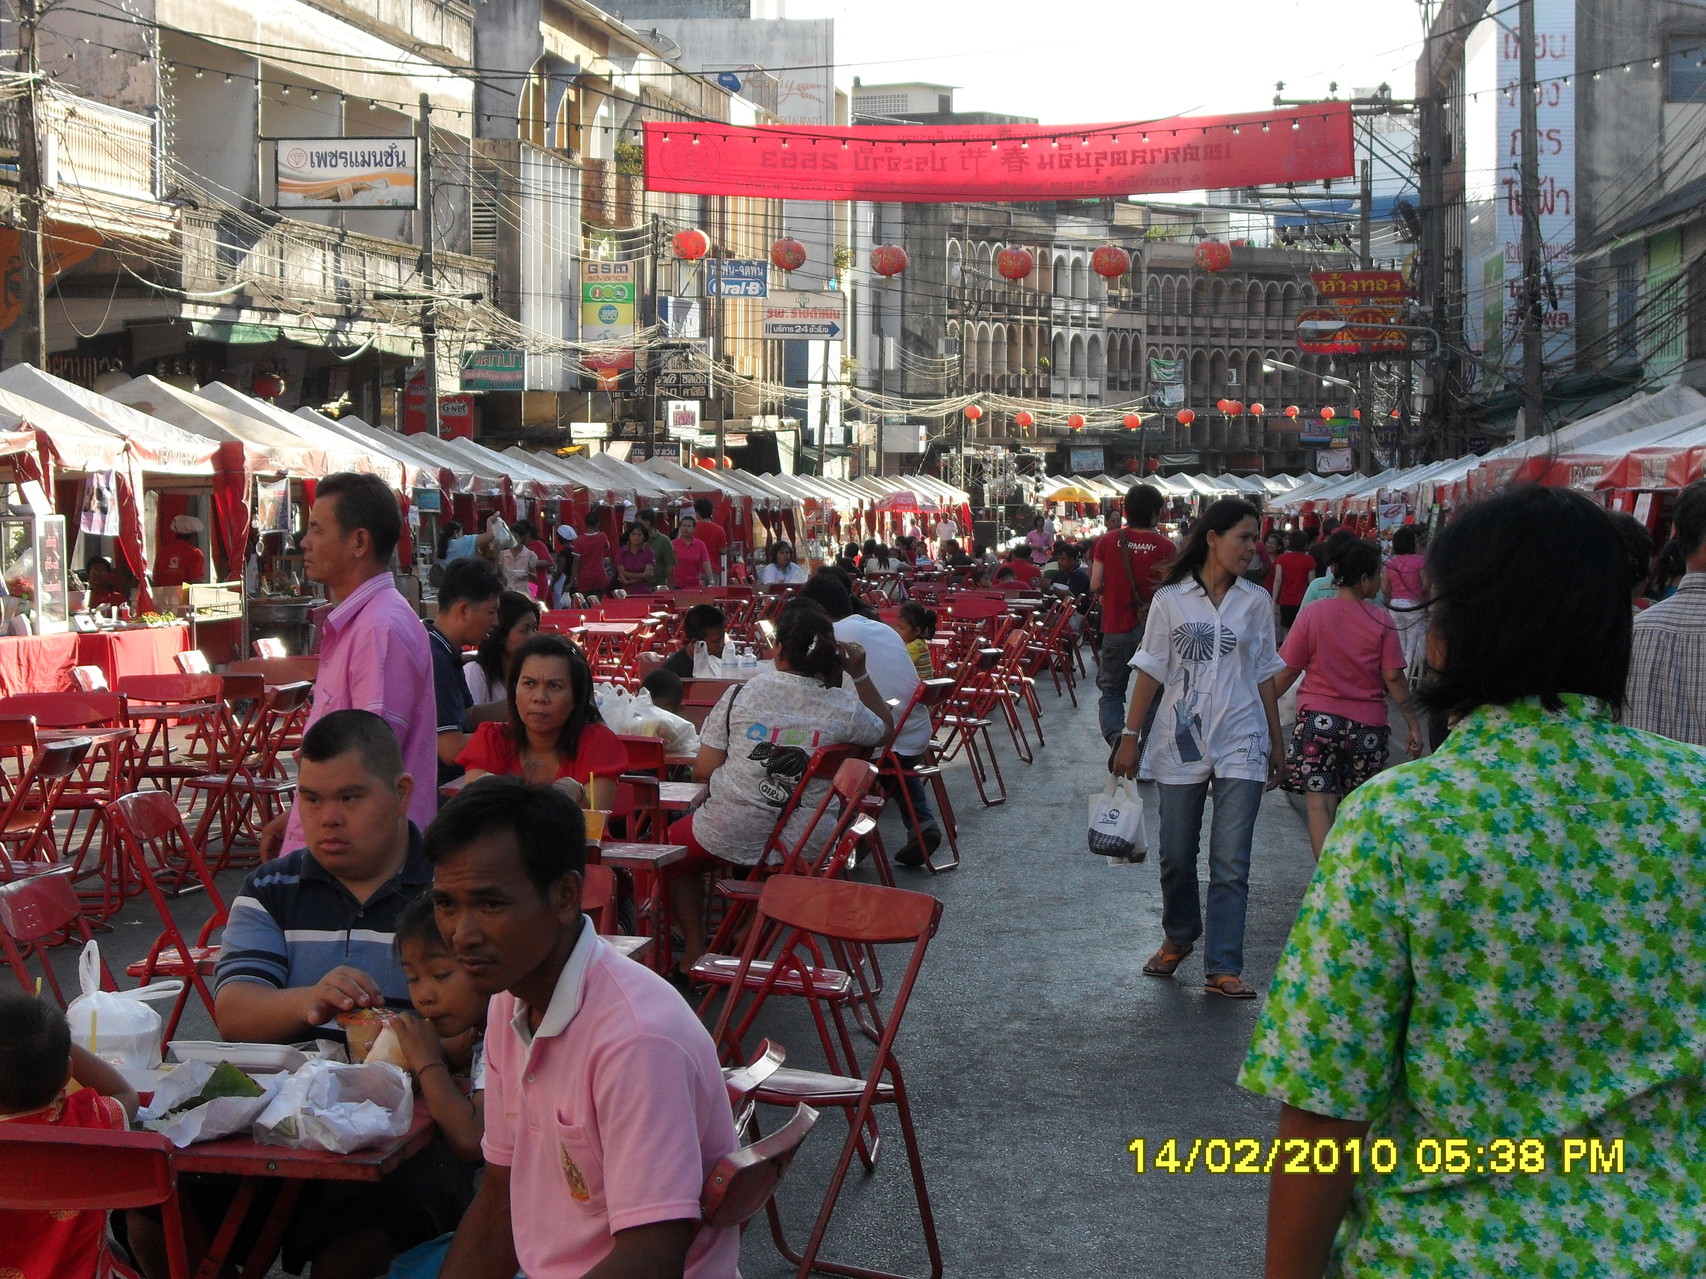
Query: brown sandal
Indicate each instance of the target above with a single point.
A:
(1229, 985)
(1165, 962)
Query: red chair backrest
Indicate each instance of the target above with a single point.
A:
(171, 688)
(89, 679)
(743, 1181)
(645, 754)
(149, 824)
(35, 910)
(66, 710)
(192, 662)
(598, 896)
(847, 910)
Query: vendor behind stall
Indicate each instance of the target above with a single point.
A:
(180, 559)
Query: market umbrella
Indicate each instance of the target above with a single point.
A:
(1072, 493)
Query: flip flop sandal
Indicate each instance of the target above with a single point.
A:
(1164, 962)
(1229, 986)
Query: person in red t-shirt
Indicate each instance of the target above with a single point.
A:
(1144, 550)
(1293, 571)
(181, 560)
(594, 573)
(1027, 573)
(711, 533)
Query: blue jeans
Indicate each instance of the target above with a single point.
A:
(1236, 802)
(1113, 675)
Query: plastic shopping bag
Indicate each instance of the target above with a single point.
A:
(328, 1105)
(117, 1026)
(215, 1118)
(1116, 822)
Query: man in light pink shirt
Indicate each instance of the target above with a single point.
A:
(374, 651)
(605, 1106)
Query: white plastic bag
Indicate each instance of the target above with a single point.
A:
(1116, 822)
(117, 1026)
(328, 1105)
(221, 1117)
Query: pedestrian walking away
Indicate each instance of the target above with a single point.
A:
(1124, 568)
(1406, 596)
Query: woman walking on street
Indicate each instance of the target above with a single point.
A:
(1348, 653)
(1208, 653)
(1404, 593)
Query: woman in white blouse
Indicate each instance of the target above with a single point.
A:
(518, 622)
(1208, 653)
(783, 568)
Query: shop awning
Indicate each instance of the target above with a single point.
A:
(160, 449)
(339, 455)
(267, 450)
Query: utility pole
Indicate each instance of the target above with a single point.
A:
(429, 280)
(717, 350)
(1365, 423)
(654, 357)
(31, 195)
(1533, 419)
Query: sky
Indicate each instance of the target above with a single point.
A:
(1084, 61)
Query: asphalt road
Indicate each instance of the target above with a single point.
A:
(1035, 1051)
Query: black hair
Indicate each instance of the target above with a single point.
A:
(452, 528)
(418, 924)
(1671, 562)
(35, 1051)
(491, 655)
(585, 708)
(1637, 543)
(549, 830)
(882, 556)
(806, 638)
(1688, 519)
(1355, 560)
(1404, 540)
(1512, 625)
(523, 529)
(102, 560)
(1006, 574)
(340, 732)
(365, 502)
(1297, 540)
(649, 517)
(1328, 547)
(1068, 548)
(869, 547)
(919, 618)
(703, 508)
(1220, 517)
(824, 590)
(777, 545)
(1143, 502)
(702, 619)
(470, 580)
(666, 688)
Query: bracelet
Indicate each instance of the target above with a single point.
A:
(429, 1066)
(862, 679)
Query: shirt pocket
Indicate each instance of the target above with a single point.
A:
(581, 1165)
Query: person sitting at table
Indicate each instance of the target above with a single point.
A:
(554, 731)
(665, 689)
(106, 587)
(487, 676)
(606, 1108)
(693, 568)
(955, 556)
(754, 747)
(47, 1080)
(1070, 573)
(706, 624)
(635, 561)
(1025, 571)
(782, 570)
(310, 936)
(467, 612)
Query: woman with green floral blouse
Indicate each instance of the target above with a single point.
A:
(1495, 991)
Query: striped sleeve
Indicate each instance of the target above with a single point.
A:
(253, 947)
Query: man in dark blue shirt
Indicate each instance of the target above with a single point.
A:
(467, 611)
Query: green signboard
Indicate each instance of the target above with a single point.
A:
(501, 370)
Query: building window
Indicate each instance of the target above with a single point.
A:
(1625, 302)
(1685, 74)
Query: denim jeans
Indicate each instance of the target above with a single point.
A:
(1113, 675)
(1236, 802)
(918, 791)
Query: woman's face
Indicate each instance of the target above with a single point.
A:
(544, 695)
(524, 629)
(636, 537)
(784, 553)
(1233, 549)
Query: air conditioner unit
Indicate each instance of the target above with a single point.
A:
(1231, 377)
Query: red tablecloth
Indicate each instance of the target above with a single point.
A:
(37, 663)
(147, 651)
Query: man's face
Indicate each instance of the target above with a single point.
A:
(496, 921)
(715, 637)
(350, 818)
(469, 621)
(328, 553)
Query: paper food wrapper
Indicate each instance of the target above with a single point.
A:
(221, 1117)
(337, 1107)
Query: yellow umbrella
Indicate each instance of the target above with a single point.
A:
(1072, 493)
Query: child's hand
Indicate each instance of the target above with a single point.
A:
(420, 1042)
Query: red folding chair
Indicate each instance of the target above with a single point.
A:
(963, 724)
(154, 838)
(254, 787)
(89, 679)
(154, 705)
(743, 1182)
(811, 913)
(192, 661)
(639, 795)
(26, 819)
(927, 698)
(38, 912)
(89, 1170)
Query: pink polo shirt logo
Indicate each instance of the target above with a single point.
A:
(577, 1183)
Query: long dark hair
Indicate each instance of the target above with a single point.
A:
(512, 607)
(585, 709)
(806, 638)
(1222, 516)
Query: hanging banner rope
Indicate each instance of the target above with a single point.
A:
(1001, 162)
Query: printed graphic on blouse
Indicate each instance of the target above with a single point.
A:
(783, 768)
(1194, 645)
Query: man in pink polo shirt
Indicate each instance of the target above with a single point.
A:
(374, 651)
(605, 1106)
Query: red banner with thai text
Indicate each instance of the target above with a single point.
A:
(1001, 162)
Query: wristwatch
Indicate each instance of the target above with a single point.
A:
(1131, 732)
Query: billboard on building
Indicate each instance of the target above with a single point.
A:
(607, 317)
(346, 173)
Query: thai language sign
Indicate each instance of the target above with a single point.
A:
(1001, 162)
(346, 173)
(1365, 286)
(494, 370)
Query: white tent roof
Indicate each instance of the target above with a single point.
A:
(268, 450)
(160, 448)
(384, 465)
(419, 470)
(550, 485)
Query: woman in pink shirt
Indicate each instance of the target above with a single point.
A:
(1406, 593)
(692, 557)
(1348, 653)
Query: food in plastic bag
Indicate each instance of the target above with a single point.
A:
(328, 1105)
(361, 1030)
(117, 1026)
(189, 1105)
(1116, 822)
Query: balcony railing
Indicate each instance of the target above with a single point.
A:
(90, 146)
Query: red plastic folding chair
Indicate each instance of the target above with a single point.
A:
(26, 819)
(963, 723)
(192, 661)
(154, 838)
(253, 788)
(38, 912)
(743, 1182)
(89, 1170)
(156, 704)
(811, 914)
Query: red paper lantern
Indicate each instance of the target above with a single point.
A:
(267, 386)
(1075, 422)
(1214, 255)
(1357, 414)
(1184, 417)
(1225, 406)
(1394, 413)
(888, 259)
(1133, 421)
(1023, 420)
(1328, 413)
(1256, 410)
(690, 245)
(973, 412)
(1111, 261)
(1014, 264)
(1235, 407)
(1291, 410)
(1154, 465)
(790, 255)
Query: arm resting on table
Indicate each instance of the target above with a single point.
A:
(1305, 1208)
(90, 1071)
(483, 1247)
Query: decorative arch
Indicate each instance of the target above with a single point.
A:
(1096, 359)
(1076, 363)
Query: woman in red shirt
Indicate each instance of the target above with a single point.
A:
(693, 568)
(554, 729)
(594, 574)
(1292, 574)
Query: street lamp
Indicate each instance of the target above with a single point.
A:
(1269, 365)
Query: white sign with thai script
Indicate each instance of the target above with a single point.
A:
(346, 173)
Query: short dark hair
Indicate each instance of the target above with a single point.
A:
(1143, 502)
(341, 732)
(666, 688)
(829, 594)
(703, 506)
(1297, 540)
(365, 502)
(548, 827)
(1689, 518)
(1511, 624)
(102, 560)
(1355, 560)
(702, 619)
(1636, 539)
(470, 580)
(585, 710)
(1404, 540)
(35, 1051)
(418, 923)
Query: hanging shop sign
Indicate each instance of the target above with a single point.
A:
(1335, 462)
(607, 318)
(683, 373)
(1001, 162)
(1363, 286)
(737, 278)
(681, 419)
(1086, 461)
(346, 173)
(804, 315)
(500, 370)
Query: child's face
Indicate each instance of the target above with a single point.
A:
(441, 991)
(905, 629)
